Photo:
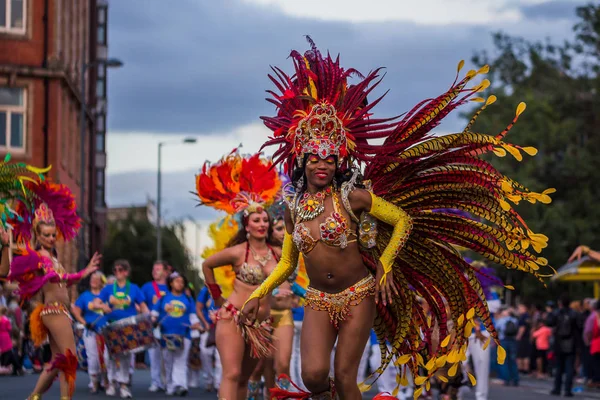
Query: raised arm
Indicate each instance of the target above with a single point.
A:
(585, 251)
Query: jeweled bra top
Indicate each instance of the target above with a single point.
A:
(334, 231)
(252, 274)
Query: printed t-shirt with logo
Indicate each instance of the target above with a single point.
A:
(127, 296)
(175, 321)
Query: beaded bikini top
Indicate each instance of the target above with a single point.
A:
(334, 231)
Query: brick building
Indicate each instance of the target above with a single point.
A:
(43, 45)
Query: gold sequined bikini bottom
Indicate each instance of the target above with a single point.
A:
(338, 304)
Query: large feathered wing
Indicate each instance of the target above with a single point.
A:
(430, 178)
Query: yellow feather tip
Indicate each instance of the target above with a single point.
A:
(520, 108)
(483, 85)
(472, 379)
(484, 70)
(460, 66)
(501, 355)
(491, 100)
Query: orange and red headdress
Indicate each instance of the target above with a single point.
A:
(238, 184)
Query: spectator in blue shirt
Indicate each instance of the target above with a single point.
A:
(507, 327)
(176, 315)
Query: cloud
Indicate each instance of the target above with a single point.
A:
(551, 10)
(201, 67)
(430, 12)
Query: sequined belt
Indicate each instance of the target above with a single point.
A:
(55, 308)
(338, 305)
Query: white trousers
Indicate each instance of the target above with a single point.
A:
(481, 365)
(212, 371)
(91, 349)
(118, 367)
(176, 366)
(387, 380)
(295, 364)
(154, 354)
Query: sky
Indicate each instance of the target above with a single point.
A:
(199, 69)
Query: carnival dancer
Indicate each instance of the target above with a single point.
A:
(282, 302)
(91, 314)
(37, 269)
(211, 363)
(122, 297)
(366, 239)
(244, 186)
(175, 315)
(154, 291)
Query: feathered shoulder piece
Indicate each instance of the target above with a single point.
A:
(238, 183)
(13, 177)
(51, 202)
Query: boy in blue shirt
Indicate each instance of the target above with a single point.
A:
(122, 297)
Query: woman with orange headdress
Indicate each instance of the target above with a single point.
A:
(276, 368)
(361, 210)
(244, 186)
(42, 277)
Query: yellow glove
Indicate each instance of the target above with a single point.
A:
(402, 223)
(285, 267)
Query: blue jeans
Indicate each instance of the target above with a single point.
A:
(565, 364)
(509, 371)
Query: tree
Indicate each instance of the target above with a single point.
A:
(134, 239)
(560, 85)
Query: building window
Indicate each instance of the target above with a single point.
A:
(12, 16)
(100, 187)
(100, 142)
(12, 119)
(101, 71)
(100, 88)
(101, 35)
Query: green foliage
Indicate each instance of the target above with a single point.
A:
(134, 239)
(560, 85)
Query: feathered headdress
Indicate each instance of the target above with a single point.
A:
(51, 203)
(238, 183)
(318, 112)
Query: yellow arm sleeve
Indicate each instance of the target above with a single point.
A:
(400, 220)
(285, 267)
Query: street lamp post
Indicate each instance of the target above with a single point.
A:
(188, 140)
(110, 63)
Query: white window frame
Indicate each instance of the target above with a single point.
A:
(7, 28)
(22, 109)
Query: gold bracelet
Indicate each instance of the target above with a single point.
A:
(585, 250)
